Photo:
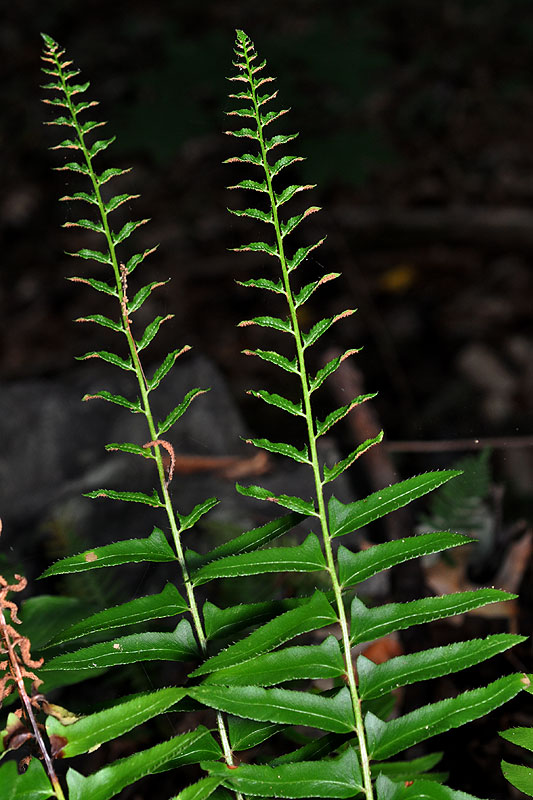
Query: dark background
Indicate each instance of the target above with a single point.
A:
(416, 121)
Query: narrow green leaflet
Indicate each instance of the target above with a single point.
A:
(372, 623)
(177, 412)
(385, 739)
(311, 616)
(278, 324)
(292, 663)
(296, 409)
(305, 507)
(357, 567)
(154, 548)
(111, 358)
(333, 778)
(165, 367)
(247, 733)
(281, 448)
(189, 520)
(307, 557)
(522, 737)
(406, 770)
(330, 474)
(222, 622)
(378, 679)
(520, 777)
(118, 399)
(155, 606)
(274, 358)
(339, 413)
(281, 706)
(109, 781)
(31, 785)
(129, 497)
(200, 790)
(151, 330)
(90, 732)
(179, 645)
(423, 789)
(345, 518)
(257, 537)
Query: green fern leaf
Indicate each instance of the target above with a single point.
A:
(200, 790)
(128, 447)
(167, 603)
(321, 327)
(385, 739)
(31, 785)
(281, 448)
(256, 538)
(340, 413)
(106, 783)
(129, 497)
(112, 172)
(337, 778)
(88, 224)
(295, 409)
(166, 366)
(283, 706)
(87, 197)
(301, 254)
(252, 213)
(91, 731)
(372, 623)
(334, 472)
(329, 369)
(99, 319)
(95, 255)
(307, 557)
(118, 200)
(293, 222)
(376, 680)
(179, 645)
(138, 258)
(348, 518)
(310, 616)
(127, 230)
(151, 331)
(276, 323)
(274, 358)
(100, 145)
(154, 548)
(284, 161)
(292, 503)
(247, 733)
(357, 567)
(292, 663)
(142, 294)
(112, 358)
(189, 520)
(257, 247)
(100, 286)
(264, 283)
(177, 412)
(117, 399)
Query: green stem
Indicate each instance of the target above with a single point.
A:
(313, 453)
(121, 287)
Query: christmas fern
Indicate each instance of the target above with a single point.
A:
(331, 743)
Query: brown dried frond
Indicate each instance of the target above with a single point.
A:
(19, 663)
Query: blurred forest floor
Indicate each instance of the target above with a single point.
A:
(416, 121)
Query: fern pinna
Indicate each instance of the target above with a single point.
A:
(349, 758)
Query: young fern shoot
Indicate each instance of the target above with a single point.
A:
(352, 717)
